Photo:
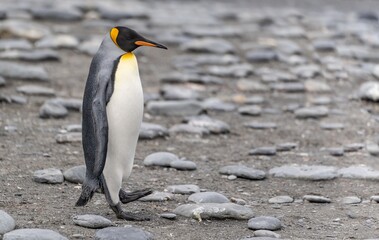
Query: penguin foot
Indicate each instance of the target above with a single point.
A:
(121, 214)
(126, 197)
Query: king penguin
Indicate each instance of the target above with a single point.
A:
(112, 115)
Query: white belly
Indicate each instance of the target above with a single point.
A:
(124, 113)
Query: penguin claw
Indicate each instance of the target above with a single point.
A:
(126, 197)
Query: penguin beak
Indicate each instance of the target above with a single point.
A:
(149, 43)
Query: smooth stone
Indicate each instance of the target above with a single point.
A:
(112, 12)
(208, 45)
(69, 103)
(238, 201)
(266, 151)
(368, 15)
(305, 172)
(174, 108)
(243, 172)
(73, 128)
(322, 100)
(183, 165)
(332, 126)
(250, 110)
(3, 82)
(215, 126)
(324, 45)
(359, 172)
(266, 233)
(291, 87)
(288, 47)
(372, 148)
(36, 90)
(24, 29)
(193, 60)
(179, 77)
(122, 233)
(288, 32)
(251, 86)
(351, 200)
(91, 221)
(260, 125)
(316, 199)
(162, 159)
(179, 93)
(235, 71)
(375, 72)
(7, 223)
(312, 112)
(210, 31)
(280, 200)
(336, 151)
(152, 131)
(33, 55)
(255, 100)
(170, 216)
(188, 129)
(52, 110)
(22, 71)
(316, 86)
(261, 56)
(58, 41)
(7, 44)
(157, 197)
(264, 223)
(353, 147)
(214, 104)
(75, 174)
(306, 71)
(33, 234)
(56, 13)
(183, 189)
(208, 197)
(71, 137)
(375, 198)
(214, 210)
(282, 147)
(369, 91)
(49, 175)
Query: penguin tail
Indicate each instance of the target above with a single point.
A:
(88, 190)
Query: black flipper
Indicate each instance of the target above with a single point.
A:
(126, 197)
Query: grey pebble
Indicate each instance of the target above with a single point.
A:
(120, 233)
(152, 131)
(157, 197)
(351, 200)
(291, 87)
(243, 172)
(18, 99)
(111, 12)
(235, 71)
(316, 86)
(7, 223)
(353, 147)
(25, 29)
(336, 151)
(214, 210)
(170, 216)
(7, 44)
(210, 31)
(322, 100)
(91, 45)
(183, 165)
(33, 234)
(33, 55)
(215, 126)
(306, 71)
(324, 45)
(73, 128)
(250, 110)
(58, 41)
(36, 90)
(208, 45)
(71, 137)
(174, 108)
(372, 148)
(288, 146)
(280, 200)
(56, 13)
(179, 93)
(238, 201)
(3, 82)
(49, 175)
(264, 223)
(22, 71)
(162, 159)
(375, 198)
(316, 199)
(260, 125)
(261, 56)
(214, 104)
(369, 91)
(183, 189)
(51, 109)
(91, 221)
(178, 77)
(75, 174)
(208, 197)
(359, 172)
(312, 112)
(69, 103)
(332, 126)
(188, 129)
(266, 151)
(305, 172)
(251, 86)
(204, 59)
(266, 233)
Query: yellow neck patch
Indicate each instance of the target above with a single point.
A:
(114, 33)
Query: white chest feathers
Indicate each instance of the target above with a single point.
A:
(124, 113)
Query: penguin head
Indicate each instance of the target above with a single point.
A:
(128, 40)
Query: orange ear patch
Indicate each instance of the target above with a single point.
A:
(114, 34)
(143, 43)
